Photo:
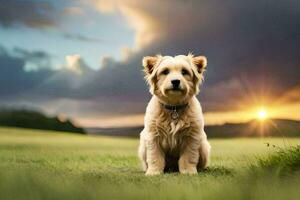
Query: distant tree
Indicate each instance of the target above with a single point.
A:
(36, 120)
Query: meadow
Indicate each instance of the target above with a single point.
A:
(36, 164)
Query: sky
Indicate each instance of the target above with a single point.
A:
(82, 58)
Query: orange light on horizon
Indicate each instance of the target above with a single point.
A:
(262, 112)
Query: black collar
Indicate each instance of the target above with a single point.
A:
(174, 107)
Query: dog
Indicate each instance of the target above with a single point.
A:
(173, 138)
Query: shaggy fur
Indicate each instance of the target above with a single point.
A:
(174, 144)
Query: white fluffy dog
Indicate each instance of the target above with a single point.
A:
(173, 137)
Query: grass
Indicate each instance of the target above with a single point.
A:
(51, 165)
(285, 162)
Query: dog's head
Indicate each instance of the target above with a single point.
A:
(174, 80)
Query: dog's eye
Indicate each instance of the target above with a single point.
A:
(165, 72)
(184, 72)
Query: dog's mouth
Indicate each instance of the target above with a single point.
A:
(175, 91)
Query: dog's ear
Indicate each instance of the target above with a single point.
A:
(200, 62)
(199, 65)
(149, 63)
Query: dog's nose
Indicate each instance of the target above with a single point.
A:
(175, 83)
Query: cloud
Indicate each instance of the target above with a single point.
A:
(17, 83)
(80, 37)
(14, 80)
(145, 25)
(35, 14)
(252, 49)
(31, 54)
(66, 81)
(73, 87)
(251, 45)
(75, 63)
(34, 60)
(39, 15)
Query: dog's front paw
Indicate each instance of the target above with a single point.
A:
(151, 172)
(191, 171)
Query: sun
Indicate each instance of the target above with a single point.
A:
(262, 114)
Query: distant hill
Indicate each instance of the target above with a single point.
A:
(36, 120)
(254, 128)
(120, 131)
(269, 127)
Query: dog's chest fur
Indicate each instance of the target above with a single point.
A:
(172, 135)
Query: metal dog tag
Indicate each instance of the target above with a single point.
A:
(174, 115)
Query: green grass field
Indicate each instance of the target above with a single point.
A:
(38, 164)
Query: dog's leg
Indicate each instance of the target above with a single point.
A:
(204, 154)
(155, 158)
(142, 152)
(189, 157)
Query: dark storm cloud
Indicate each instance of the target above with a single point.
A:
(31, 54)
(252, 48)
(36, 14)
(94, 90)
(14, 80)
(44, 83)
(39, 59)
